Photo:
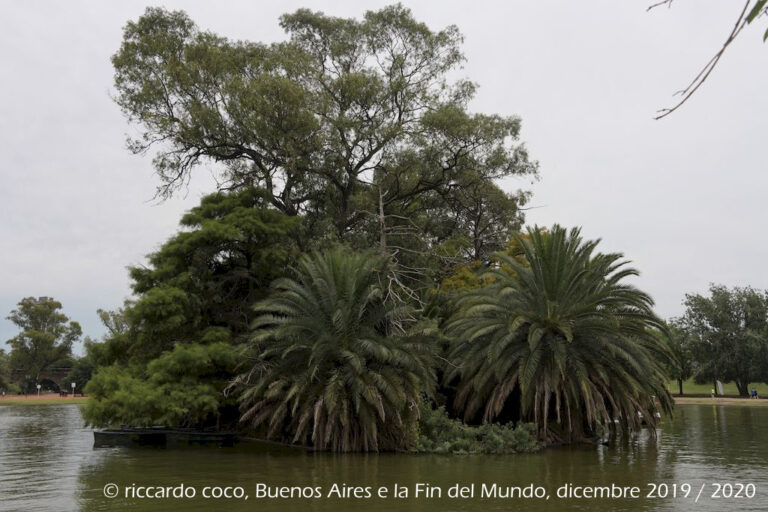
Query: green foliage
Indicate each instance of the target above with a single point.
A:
(474, 275)
(197, 292)
(728, 333)
(183, 387)
(682, 365)
(561, 338)
(45, 340)
(758, 8)
(440, 434)
(340, 366)
(5, 371)
(201, 284)
(351, 124)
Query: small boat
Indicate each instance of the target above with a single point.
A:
(161, 437)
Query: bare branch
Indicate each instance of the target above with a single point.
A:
(697, 82)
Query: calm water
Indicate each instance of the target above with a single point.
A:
(47, 463)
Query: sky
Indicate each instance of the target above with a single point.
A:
(683, 198)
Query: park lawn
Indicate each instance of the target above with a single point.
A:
(43, 400)
(729, 388)
(739, 402)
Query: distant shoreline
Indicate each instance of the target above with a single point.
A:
(679, 400)
(731, 401)
(41, 400)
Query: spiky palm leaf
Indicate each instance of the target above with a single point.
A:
(564, 329)
(337, 373)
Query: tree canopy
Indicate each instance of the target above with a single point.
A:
(201, 284)
(729, 335)
(198, 290)
(44, 341)
(352, 124)
(5, 371)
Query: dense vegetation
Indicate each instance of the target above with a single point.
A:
(723, 336)
(565, 336)
(359, 282)
(176, 345)
(439, 433)
(340, 363)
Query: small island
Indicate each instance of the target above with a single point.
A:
(361, 308)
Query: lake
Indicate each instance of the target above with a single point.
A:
(47, 462)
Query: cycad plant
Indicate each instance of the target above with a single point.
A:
(335, 368)
(562, 339)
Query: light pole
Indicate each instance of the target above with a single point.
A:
(73, 389)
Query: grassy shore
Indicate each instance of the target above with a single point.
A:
(739, 402)
(41, 400)
(729, 388)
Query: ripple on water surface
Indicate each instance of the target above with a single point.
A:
(47, 463)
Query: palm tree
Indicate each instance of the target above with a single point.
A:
(562, 338)
(335, 369)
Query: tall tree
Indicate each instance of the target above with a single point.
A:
(45, 340)
(202, 283)
(193, 305)
(729, 331)
(352, 124)
(562, 339)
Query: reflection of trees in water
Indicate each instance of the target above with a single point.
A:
(708, 444)
(699, 443)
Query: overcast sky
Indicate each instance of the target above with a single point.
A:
(683, 197)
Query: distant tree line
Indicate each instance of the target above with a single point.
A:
(722, 336)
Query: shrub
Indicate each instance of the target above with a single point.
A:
(440, 434)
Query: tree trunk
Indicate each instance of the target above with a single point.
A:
(743, 387)
(680, 385)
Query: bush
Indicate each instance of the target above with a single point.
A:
(440, 434)
(183, 387)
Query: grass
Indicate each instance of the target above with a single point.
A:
(43, 400)
(742, 402)
(729, 388)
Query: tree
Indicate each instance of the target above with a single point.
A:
(751, 11)
(729, 334)
(682, 366)
(562, 339)
(200, 286)
(339, 366)
(5, 371)
(197, 291)
(84, 366)
(351, 124)
(45, 340)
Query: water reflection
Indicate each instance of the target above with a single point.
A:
(48, 464)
